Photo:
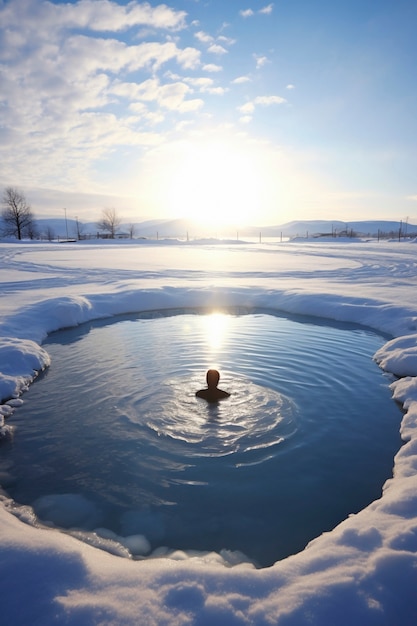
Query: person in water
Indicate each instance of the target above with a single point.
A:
(212, 393)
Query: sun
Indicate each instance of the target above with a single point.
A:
(214, 181)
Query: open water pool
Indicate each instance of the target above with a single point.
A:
(111, 441)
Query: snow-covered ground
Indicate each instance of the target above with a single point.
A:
(363, 572)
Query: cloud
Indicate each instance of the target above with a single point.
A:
(215, 45)
(228, 41)
(188, 58)
(268, 100)
(267, 10)
(217, 49)
(249, 108)
(260, 60)
(171, 96)
(212, 67)
(240, 80)
(111, 16)
(205, 85)
(61, 89)
(87, 55)
(290, 86)
(99, 16)
(246, 13)
(414, 198)
(204, 37)
(209, 39)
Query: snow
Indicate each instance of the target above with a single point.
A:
(364, 571)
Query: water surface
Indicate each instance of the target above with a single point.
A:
(113, 437)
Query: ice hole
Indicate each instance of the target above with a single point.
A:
(112, 443)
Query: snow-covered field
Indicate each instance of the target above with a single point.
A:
(363, 572)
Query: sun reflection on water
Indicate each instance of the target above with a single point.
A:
(215, 326)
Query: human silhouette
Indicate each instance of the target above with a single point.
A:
(212, 393)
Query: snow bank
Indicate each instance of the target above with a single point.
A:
(399, 356)
(20, 360)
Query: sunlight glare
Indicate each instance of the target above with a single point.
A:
(217, 182)
(215, 327)
(225, 181)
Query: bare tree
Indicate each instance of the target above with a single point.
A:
(16, 214)
(31, 230)
(50, 233)
(132, 230)
(109, 222)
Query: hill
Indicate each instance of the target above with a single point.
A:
(181, 228)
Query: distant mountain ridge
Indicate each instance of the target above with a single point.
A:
(360, 228)
(181, 228)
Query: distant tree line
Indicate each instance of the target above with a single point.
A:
(17, 220)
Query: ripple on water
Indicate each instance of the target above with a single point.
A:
(114, 434)
(253, 418)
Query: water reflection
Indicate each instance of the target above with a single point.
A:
(216, 326)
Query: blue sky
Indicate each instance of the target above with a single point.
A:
(224, 111)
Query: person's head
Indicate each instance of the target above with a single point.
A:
(212, 378)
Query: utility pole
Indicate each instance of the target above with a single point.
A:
(66, 223)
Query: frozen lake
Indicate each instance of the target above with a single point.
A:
(112, 437)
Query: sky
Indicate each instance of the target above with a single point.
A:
(362, 572)
(228, 112)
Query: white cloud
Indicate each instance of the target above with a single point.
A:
(205, 85)
(142, 112)
(246, 13)
(171, 96)
(59, 91)
(44, 17)
(247, 108)
(87, 55)
(414, 198)
(214, 43)
(172, 75)
(268, 100)
(201, 83)
(217, 49)
(203, 37)
(267, 10)
(228, 41)
(217, 91)
(240, 80)
(188, 58)
(106, 15)
(260, 60)
(212, 67)
(290, 86)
